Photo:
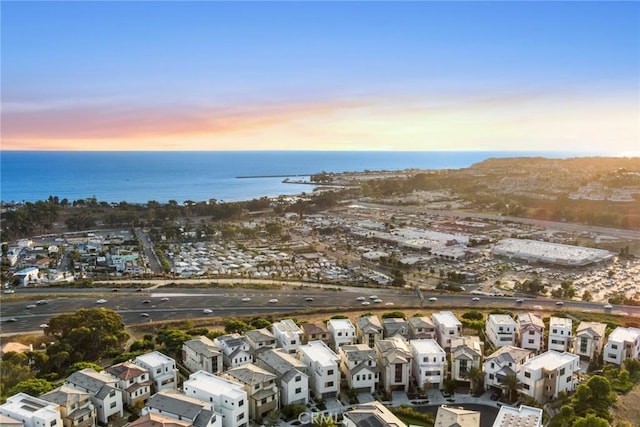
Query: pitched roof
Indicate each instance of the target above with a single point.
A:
(204, 346)
(126, 370)
(65, 396)
(509, 353)
(157, 420)
(250, 374)
(90, 380)
(174, 402)
(369, 324)
(279, 361)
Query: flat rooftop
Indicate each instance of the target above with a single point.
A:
(550, 360)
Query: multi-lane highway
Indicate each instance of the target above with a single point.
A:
(174, 304)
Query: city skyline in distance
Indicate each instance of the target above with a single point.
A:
(444, 76)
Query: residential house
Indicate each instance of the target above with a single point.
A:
(421, 327)
(260, 340)
(359, 366)
(394, 361)
(466, 353)
(202, 354)
(525, 416)
(544, 376)
(507, 360)
(291, 375)
(395, 326)
(531, 332)
(501, 330)
(457, 416)
(10, 422)
(228, 397)
(162, 370)
(368, 330)
(33, 412)
(323, 368)
(178, 406)
(429, 363)
(133, 380)
(623, 343)
(14, 347)
(76, 408)
(447, 326)
(236, 350)
(342, 332)
(315, 332)
(105, 395)
(152, 419)
(27, 275)
(370, 414)
(560, 337)
(288, 335)
(589, 340)
(261, 387)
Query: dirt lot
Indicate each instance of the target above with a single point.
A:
(627, 409)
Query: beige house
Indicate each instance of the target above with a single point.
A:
(260, 386)
(394, 361)
(589, 340)
(76, 408)
(368, 330)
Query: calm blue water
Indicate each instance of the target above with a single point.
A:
(137, 177)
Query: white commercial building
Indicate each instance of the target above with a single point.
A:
(560, 336)
(623, 343)
(544, 376)
(447, 326)
(429, 363)
(228, 397)
(534, 251)
(33, 412)
(323, 368)
(501, 330)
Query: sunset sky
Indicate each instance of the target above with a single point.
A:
(525, 76)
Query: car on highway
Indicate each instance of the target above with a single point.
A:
(388, 303)
(147, 301)
(377, 300)
(144, 314)
(101, 301)
(365, 303)
(207, 311)
(164, 299)
(44, 325)
(42, 302)
(273, 300)
(433, 299)
(11, 320)
(115, 290)
(308, 299)
(519, 301)
(360, 298)
(608, 307)
(475, 299)
(558, 303)
(139, 290)
(9, 291)
(246, 299)
(30, 306)
(373, 297)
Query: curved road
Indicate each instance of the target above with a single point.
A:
(190, 303)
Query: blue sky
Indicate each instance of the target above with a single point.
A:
(321, 75)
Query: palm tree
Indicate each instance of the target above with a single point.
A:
(511, 383)
(476, 376)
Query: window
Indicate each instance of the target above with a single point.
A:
(293, 342)
(525, 386)
(53, 422)
(241, 403)
(531, 332)
(490, 376)
(241, 416)
(298, 378)
(263, 401)
(562, 371)
(357, 377)
(328, 384)
(330, 372)
(112, 393)
(113, 404)
(398, 373)
(527, 374)
(493, 365)
(531, 341)
(339, 334)
(583, 345)
(257, 386)
(369, 377)
(569, 379)
(614, 346)
(299, 390)
(555, 331)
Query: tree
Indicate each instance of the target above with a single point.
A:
(172, 339)
(476, 376)
(512, 384)
(259, 323)
(32, 387)
(272, 419)
(586, 296)
(78, 366)
(236, 326)
(590, 420)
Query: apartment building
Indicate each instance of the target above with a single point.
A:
(623, 343)
(447, 326)
(531, 332)
(104, 394)
(291, 375)
(466, 353)
(589, 340)
(202, 354)
(560, 336)
(505, 361)
(359, 366)
(235, 348)
(133, 380)
(394, 361)
(429, 363)
(546, 375)
(162, 370)
(33, 412)
(421, 327)
(288, 335)
(501, 330)
(228, 397)
(368, 330)
(323, 368)
(342, 332)
(76, 408)
(178, 406)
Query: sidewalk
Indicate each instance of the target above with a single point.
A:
(436, 398)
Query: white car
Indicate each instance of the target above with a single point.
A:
(246, 299)
(365, 303)
(9, 291)
(44, 325)
(207, 311)
(608, 307)
(559, 303)
(144, 314)
(273, 301)
(377, 300)
(475, 299)
(373, 297)
(519, 301)
(165, 299)
(308, 299)
(360, 298)
(388, 303)
(101, 301)
(433, 299)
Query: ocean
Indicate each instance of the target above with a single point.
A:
(138, 177)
